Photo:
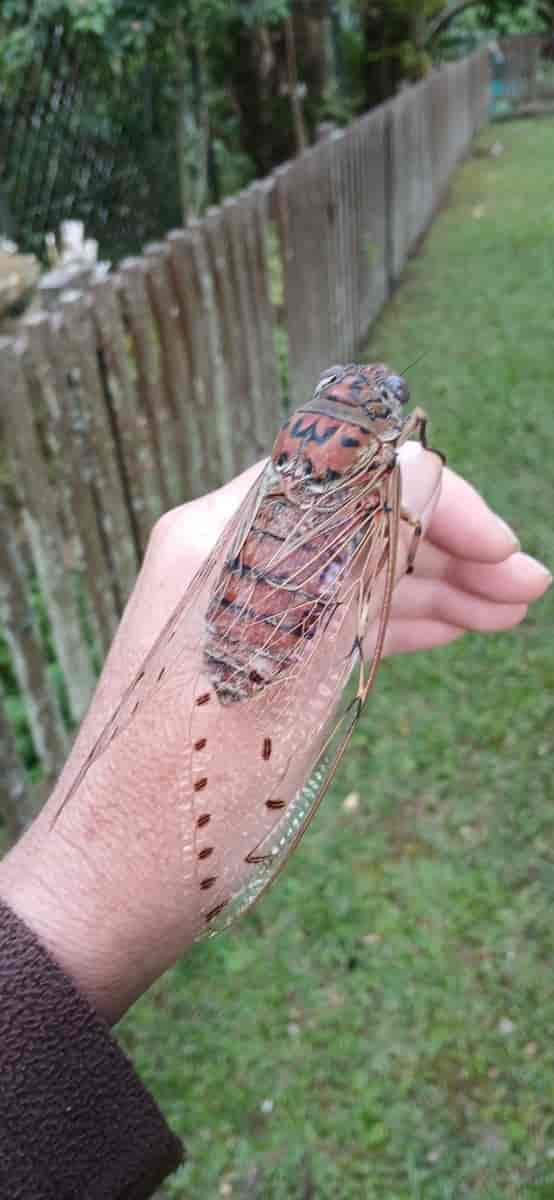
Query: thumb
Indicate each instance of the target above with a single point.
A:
(421, 472)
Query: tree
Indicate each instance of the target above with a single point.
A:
(149, 112)
(394, 33)
(132, 114)
(399, 34)
(505, 15)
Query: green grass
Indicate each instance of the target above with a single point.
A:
(393, 995)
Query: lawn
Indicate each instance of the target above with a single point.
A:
(382, 1026)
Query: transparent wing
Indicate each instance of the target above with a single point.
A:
(320, 716)
(174, 638)
(244, 778)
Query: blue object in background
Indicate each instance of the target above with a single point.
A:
(497, 60)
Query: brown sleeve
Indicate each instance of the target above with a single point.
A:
(75, 1120)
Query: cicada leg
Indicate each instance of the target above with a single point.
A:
(415, 524)
(368, 670)
(416, 422)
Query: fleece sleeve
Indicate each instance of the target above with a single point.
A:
(76, 1123)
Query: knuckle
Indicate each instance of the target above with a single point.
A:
(163, 531)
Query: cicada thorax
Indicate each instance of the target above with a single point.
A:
(284, 583)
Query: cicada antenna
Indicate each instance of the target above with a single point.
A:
(448, 408)
(414, 362)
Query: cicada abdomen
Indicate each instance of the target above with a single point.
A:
(253, 664)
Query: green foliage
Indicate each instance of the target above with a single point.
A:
(126, 26)
(497, 18)
(391, 997)
(262, 12)
(15, 704)
(133, 116)
(15, 708)
(162, 123)
(523, 18)
(90, 18)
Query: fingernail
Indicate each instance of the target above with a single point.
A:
(538, 568)
(507, 529)
(410, 450)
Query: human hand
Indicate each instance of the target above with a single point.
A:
(105, 888)
(470, 574)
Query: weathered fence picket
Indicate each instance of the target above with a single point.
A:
(164, 379)
(27, 653)
(139, 461)
(39, 514)
(143, 351)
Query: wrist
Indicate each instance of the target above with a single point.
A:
(96, 906)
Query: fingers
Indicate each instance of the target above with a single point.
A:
(519, 579)
(404, 636)
(469, 573)
(466, 527)
(421, 481)
(418, 599)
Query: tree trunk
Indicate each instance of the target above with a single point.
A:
(180, 138)
(275, 119)
(311, 24)
(259, 85)
(294, 89)
(379, 79)
(386, 33)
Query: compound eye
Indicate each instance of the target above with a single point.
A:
(399, 388)
(330, 376)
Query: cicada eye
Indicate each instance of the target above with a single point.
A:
(330, 376)
(399, 388)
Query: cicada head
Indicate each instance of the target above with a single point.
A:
(370, 396)
(369, 393)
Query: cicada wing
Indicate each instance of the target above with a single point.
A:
(287, 745)
(237, 783)
(175, 638)
(291, 818)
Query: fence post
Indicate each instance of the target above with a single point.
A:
(140, 322)
(46, 538)
(388, 166)
(139, 463)
(28, 656)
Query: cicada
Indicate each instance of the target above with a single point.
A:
(260, 649)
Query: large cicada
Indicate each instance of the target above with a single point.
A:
(258, 652)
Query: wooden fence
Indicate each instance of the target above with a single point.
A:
(165, 379)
